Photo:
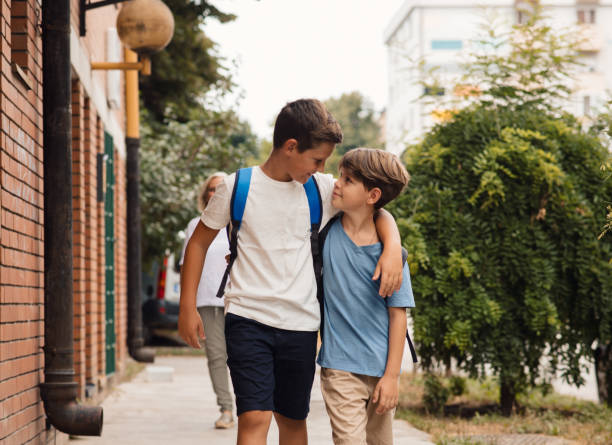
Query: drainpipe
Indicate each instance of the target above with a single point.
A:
(132, 142)
(59, 391)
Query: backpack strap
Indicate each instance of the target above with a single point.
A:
(314, 204)
(237, 204)
(411, 346)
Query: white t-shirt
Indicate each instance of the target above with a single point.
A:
(214, 266)
(272, 280)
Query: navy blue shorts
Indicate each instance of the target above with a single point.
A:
(272, 369)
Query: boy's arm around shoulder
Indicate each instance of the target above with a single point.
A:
(390, 265)
(189, 323)
(386, 393)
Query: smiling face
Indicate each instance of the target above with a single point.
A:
(350, 194)
(302, 165)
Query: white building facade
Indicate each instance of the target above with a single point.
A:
(440, 32)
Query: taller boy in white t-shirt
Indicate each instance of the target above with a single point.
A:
(272, 312)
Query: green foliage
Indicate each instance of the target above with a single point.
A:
(542, 412)
(457, 385)
(175, 159)
(507, 262)
(528, 67)
(602, 127)
(189, 65)
(358, 122)
(265, 148)
(502, 242)
(186, 135)
(501, 221)
(435, 395)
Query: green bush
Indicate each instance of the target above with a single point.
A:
(435, 395)
(457, 385)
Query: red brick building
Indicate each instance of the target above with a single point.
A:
(99, 216)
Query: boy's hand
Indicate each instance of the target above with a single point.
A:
(386, 394)
(190, 327)
(390, 271)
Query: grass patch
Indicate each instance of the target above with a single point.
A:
(584, 422)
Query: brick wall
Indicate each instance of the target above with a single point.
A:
(22, 416)
(21, 229)
(101, 304)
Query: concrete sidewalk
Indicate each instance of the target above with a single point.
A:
(182, 412)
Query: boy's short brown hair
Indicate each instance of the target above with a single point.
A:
(377, 168)
(308, 122)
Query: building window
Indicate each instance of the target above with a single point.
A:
(586, 15)
(446, 44)
(23, 35)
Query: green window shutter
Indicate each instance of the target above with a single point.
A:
(109, 253)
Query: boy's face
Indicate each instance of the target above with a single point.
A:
(350, 193)
(302, 166)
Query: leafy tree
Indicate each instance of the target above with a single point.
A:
(189, 65)
(603, 351)
(501, 220)
(186, 135)
(359, 126)
(175, 161)
(263, 152)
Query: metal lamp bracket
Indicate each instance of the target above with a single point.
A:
(86, 5)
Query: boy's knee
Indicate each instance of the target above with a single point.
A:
(255, 420)
(289, 424)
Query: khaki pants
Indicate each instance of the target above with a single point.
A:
(216, 355)
(352, 414)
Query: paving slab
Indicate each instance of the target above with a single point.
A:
(182, 412)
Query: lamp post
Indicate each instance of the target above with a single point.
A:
(144, 27)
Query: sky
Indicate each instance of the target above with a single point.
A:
(290, 49)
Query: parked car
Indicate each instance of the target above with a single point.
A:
(160, 309)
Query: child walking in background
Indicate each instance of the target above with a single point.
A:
(363, 334)
(272, 311)
(210, 307)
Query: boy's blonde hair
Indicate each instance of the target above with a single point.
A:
(204, 188)
(377, 168)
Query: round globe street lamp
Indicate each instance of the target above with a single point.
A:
(144, 26)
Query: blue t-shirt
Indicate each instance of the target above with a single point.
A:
(356, 319)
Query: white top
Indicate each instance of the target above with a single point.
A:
(272, 280)
(214, 266)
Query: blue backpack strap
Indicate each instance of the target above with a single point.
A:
(316, 213)
(314, 200)
(239, 195)
(240, 192)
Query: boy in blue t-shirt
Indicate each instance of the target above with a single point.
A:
(363, 334)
